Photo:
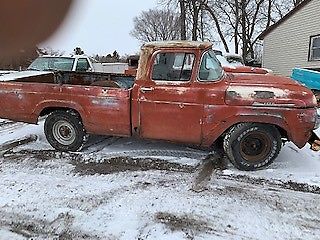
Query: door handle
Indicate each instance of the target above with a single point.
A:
(146, 89)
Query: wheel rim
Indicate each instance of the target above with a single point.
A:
(64, 132)
(255, 146)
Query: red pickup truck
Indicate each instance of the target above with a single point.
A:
(180, 94)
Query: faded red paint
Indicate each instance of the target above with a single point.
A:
(190, 112)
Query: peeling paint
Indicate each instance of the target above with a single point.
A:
(252, 92)
(264, 94)
(210, 119)
(20, 96)
(181, 91)
(107, 102)
(173, 83)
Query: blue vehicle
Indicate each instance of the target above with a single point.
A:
(309, 78)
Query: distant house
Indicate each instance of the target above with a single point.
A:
(294, 41)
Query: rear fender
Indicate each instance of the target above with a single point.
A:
(58, 104)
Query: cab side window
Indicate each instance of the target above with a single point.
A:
(210, 68)
(173, 66)
(82, 65)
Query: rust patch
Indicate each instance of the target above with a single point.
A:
(252, 92)
(178, 44)
(233, 94)
(108, 102)
(264, 94)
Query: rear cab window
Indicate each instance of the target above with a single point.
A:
(82, 65)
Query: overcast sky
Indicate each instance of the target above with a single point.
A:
(100, 27)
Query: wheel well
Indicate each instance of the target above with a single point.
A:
(49, 110)
(282, 132)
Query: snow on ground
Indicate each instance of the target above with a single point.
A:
(128, 189)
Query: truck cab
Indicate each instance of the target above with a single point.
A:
(79, 63)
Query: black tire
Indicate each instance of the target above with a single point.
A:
(252, 146)
(64, 130)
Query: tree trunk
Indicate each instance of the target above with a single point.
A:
(195, 19)
(183, 28)
(236, 27)
(243, 26)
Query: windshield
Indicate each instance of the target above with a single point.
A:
(210, 68)
(52, 63)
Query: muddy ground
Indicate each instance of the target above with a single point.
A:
(124, 189)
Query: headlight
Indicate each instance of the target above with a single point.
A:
(317, 119)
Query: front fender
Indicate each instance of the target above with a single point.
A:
(217, 129)
(296, 123)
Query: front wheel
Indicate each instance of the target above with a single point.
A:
(251, 146)
(64, 130)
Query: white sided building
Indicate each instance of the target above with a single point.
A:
(294, 41)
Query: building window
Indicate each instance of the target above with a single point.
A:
(314, 53)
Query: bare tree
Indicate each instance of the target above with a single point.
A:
(193, 18)
(21, 61)
(78, 51)
(243, 20)
(237, 21)
(156, 25)
(49, 51)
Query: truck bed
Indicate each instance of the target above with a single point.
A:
(76, 78)
(102, 100)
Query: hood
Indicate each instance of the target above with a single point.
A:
(266, 80)
(23, 74)
(268, 90)
(246, 69)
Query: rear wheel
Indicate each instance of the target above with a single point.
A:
(64, 130)
(251, 146)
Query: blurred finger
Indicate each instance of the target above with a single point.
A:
(26, 23)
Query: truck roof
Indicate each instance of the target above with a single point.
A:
(175, 44)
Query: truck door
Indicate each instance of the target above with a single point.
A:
(169, 107)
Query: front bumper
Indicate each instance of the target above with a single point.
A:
(317, 125)
(314, 141)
